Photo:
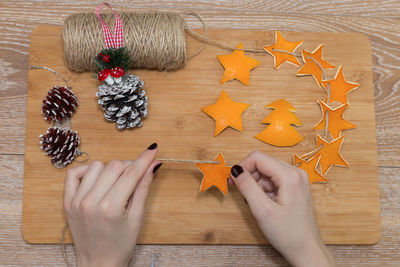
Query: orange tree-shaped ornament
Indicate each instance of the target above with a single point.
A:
(280, 131)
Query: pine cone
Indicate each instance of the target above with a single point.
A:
(59, 104)
(60, 144)
(124, 103)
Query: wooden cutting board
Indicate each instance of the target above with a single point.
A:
(347, 208)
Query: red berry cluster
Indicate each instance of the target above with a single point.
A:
(105, 58)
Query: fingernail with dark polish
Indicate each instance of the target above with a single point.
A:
(152, 146)
(236, 170)
(157, 167)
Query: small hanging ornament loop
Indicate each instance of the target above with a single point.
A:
(79, 153)
(115, 40)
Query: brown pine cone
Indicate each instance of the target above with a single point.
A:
(60, 144)
(59, 104)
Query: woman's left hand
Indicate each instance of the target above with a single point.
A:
(105, 209)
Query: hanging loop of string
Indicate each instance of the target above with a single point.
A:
(58, 75)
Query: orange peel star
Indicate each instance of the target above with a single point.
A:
(280, 131)
(310, 167)
(330, 153)
(314, 64)
(339, 87)
(336, 123)
(237, 66)
(278, 50)
(215, 174)
(226, 113)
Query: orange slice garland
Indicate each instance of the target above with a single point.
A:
(278, 50)
(310, 167)
(339, 87)
(330, 153)
(215, 174)
(280, 131)
(314, 64)
(237, 66)
(336, 122)
(226, 113)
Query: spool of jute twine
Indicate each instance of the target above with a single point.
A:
(154, 40)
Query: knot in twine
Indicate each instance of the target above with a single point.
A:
(154, 40)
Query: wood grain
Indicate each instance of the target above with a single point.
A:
(17, 20)
(381, 31)
(15, 252)
(184, 131)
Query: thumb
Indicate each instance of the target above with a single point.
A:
(260, 204)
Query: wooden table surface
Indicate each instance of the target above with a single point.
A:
(379, 20)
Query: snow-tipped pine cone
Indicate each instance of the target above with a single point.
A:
(60, 144)
(124, 103)
(60, 103)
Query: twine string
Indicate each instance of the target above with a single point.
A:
(62, 244)
(328, 93)
(80, 153)
(194, 13)
(325, 77)
(190, 161)
(155, 40)
(56, 74)
(287, 52)
(219, 44)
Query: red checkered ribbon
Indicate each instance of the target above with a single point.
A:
(117, 39)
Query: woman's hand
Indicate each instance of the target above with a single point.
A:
(105, 209)
(279, 197)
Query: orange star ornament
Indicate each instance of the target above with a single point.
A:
(215, 174)
(330, 153)
(314, 64)
(226, 113)
(310, 168)
(336, 123)
(280, 131)
(237, 66)
(283, 50)
(339, 88)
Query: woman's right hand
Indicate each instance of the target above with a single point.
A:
(279, 197)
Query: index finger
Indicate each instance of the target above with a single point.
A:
(126, 184)
(72, 183)
(266, 165)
